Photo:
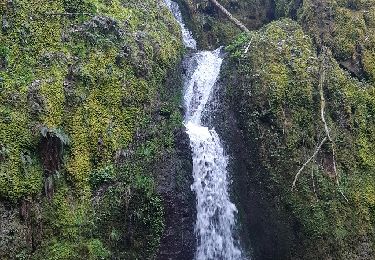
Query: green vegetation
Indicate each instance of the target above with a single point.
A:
(274, 88)
(86, 112)
(80, 82)
(346, 26)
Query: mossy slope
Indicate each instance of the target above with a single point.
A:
(274, 89)
(346, 26)
(81, 82)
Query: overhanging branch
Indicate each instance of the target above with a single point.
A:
(230, 16)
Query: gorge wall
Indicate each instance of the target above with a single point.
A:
(94, 162)
(94, 159)
(270, 117)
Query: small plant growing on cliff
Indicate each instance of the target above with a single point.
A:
(234, 48)
(102, 176)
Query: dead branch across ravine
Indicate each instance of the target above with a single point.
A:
(230, 16)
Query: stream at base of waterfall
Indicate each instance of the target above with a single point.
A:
(215, 212)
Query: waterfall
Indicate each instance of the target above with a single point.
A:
(215, 212)
(186, 34)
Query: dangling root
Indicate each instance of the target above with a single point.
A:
(328, 137)
(308, 161)
(322, 112)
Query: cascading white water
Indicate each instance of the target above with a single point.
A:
(186, 34)
(215, 212)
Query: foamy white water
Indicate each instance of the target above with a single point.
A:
(215, 212)
(186, 34)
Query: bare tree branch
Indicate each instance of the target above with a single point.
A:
(230, 16)
(313, 181)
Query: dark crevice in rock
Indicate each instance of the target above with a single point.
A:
(353, 70)
(51, 154)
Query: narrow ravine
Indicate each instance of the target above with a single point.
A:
(215, 212)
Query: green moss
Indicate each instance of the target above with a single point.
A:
(133, 209)
(78, 6)
(91, 73)
(274, 88)
(91, 249)
(99, 100)
(349, 28)
(369, 64)
(346, 26)
(102, 176)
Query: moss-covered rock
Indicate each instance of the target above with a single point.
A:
(274, 89)
(345, 26)
(83, 115)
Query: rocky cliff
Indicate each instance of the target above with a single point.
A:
(328, 214)
(297, 107)
(90, 131)
(94, 159)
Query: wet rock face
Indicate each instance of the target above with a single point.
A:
(20, 228)
(265, 230)
(174, 177)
